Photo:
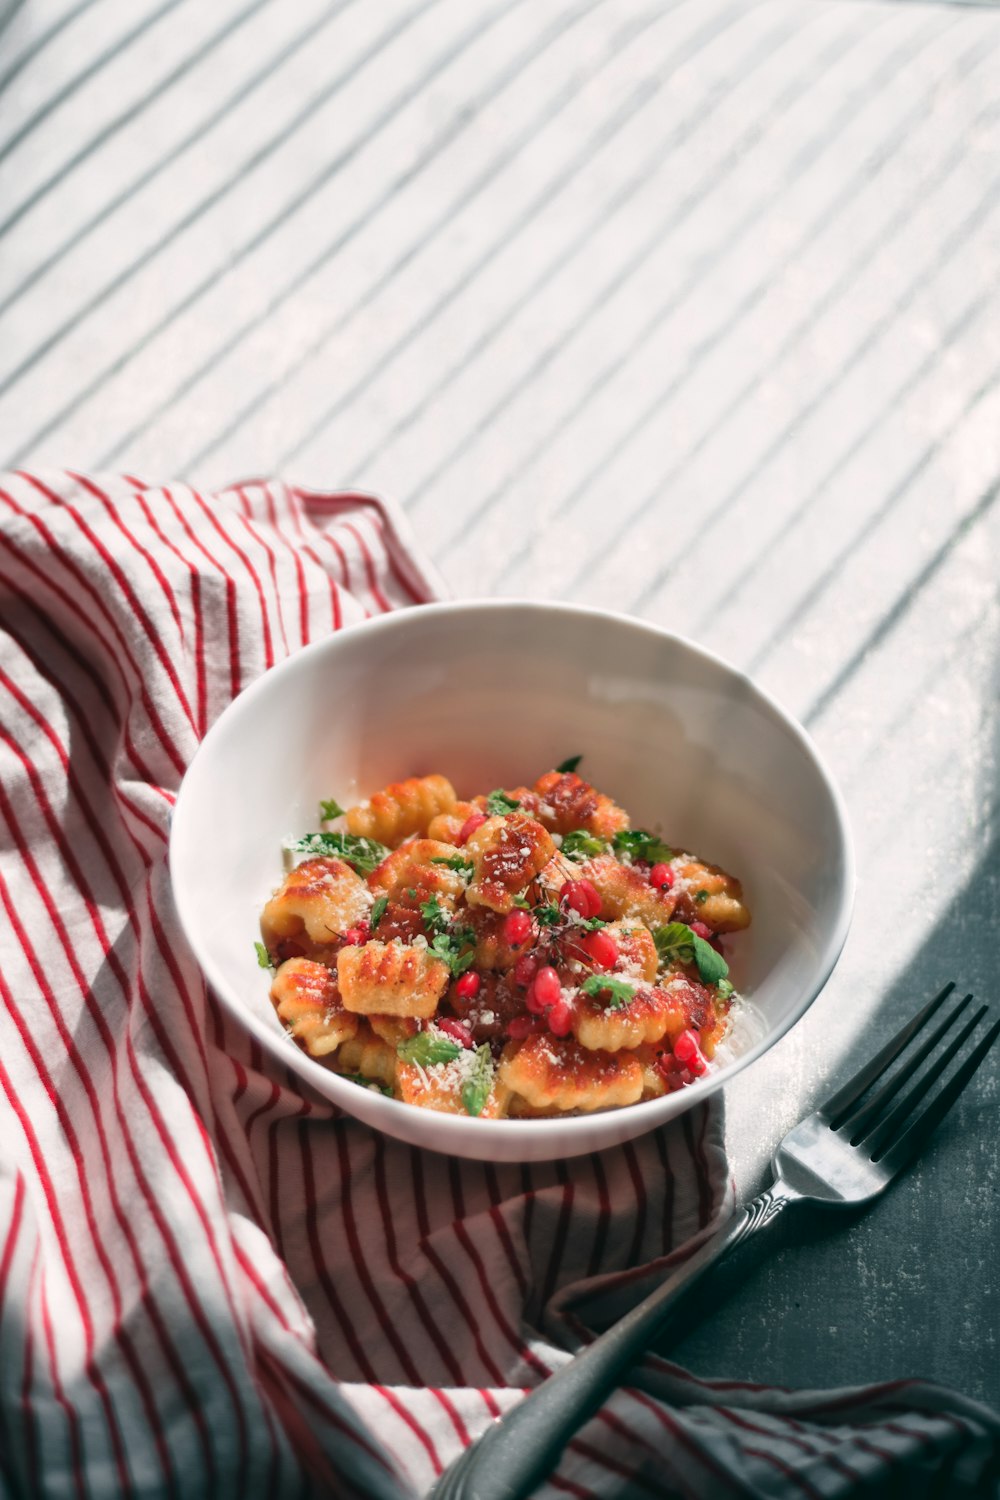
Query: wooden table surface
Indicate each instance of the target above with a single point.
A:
(687, 308)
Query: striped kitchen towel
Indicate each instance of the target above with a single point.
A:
(213, 1283)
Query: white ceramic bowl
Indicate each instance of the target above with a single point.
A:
(492, 694)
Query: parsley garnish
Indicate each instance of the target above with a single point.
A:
(569, 765)
(677, 941)
(476, 1088)
(579, 844)
(639, 844)
(455, 948)
(522, 903)
(367, 1083)
(263, 957)
(378, 910)
(329, 809)
(362, 854)
(548, 916)
(498, 804)
(425, 1049)
(434, 914)
(602, 984)
(455, 862)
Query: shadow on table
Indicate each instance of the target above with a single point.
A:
(798, 1304)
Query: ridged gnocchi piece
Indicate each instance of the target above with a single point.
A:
(568, 802)
(411, 867)
(625, 893)
(657, 1012)
(391, 979)
(447, 826)
(401, 809)
(393, 1029)
(722, 909)
(368, 1056)
(440, 1088)
(493, 952)
(322, 897)
(552, 1074)
(307, 1000)
(637, 955)
(506, 853)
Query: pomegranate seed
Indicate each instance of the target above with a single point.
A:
(685, 1046)
(547, 989)
(468, 986)
(525, 970)
(697, 1065)
(582, 897)
(560, 1019)
(355, 937)
(457, 1030)
(522, 1026)
(517, 928)
(661, 877)
(473, 821)
(700, 930)
(601, 949)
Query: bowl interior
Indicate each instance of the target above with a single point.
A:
(491, 695)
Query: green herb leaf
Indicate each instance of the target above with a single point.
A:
(455, 862)
(367, 1083)
(677, 942)
(725, 989)
(639, 844)
(330, 809)
(425, 1049)
(434, 914)
(594, 924)
(362, 854)
(700, 897)
(498, 804)
(263, 957)
(455, 948)
(599, 985)
(570, 764)
(378, 911)
(578, 844)
(522, 903)
(476, 1088)
(548, 916)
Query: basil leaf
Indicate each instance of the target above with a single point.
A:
(570, 764)
(329, 809)
(579, 844)
(639, 844)
(476, 1088)
(600, 984)
(498, 804)
(378, 911)
(362, 854)
(263, 957)
(677, 941)
(367, 1083)
(711, 965)
(425, 1049)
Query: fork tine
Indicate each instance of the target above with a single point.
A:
(914, 1138)
(843, 1101)
(882, 1134)
(861, 1120)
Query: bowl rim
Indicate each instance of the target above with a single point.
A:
(655, 1111)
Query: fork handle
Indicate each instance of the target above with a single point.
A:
(512, 1457)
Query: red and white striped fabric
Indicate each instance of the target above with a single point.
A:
(211, 1282)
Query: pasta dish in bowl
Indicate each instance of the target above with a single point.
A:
(485, 949)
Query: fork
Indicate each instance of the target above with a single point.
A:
(842, 1156)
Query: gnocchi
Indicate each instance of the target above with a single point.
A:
(518, 953)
